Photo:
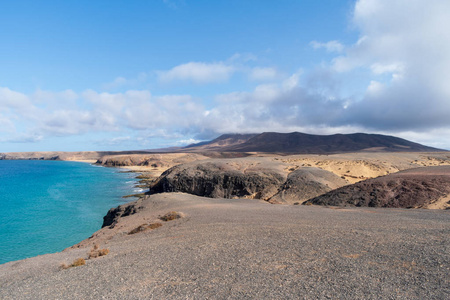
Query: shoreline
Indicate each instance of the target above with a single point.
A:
(249, 248)
(288, 250)
(122, 200)
(145, 175)
(89, 161)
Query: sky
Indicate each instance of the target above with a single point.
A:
(144, 74)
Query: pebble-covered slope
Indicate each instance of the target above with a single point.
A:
(247, 249)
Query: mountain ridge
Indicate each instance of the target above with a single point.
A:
(303, 143)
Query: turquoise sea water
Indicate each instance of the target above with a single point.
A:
(47, 206)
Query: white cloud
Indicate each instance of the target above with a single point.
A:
(263, 74)
(6, 125)
(409, 40)
(242, 58)
(379, 69)
(397, 74)
(198, 72)
(331, 46)
(374, 87)
(117, 82)
(187, 142)
(23, 138)
(292, 81)
(12, 100)
(92, 112)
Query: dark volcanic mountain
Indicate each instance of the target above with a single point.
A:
(303, 143)
(224, 141)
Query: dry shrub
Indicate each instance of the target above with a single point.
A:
(103, 252)
(138, 229)
(173, 215)
(144, 227)
(76, 263)
(96, 252)
(154, 225)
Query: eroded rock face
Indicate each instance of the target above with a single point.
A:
(246, 178)
(219, 180)
(413, 188)
(114, 214)
(306, 183)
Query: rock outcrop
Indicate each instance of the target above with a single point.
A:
(218, 179)
(427, 187)
(256, 178)
(164, 160)
(114, 214)
(306, 183)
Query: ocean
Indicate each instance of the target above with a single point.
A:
(47, 206)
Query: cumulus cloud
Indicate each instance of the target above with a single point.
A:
(403, 52)
(187, 142)
(6, 125)
(407, 40)
(393, 79)
(263, 74)
(286, 106)
(23, 138)
(242, 58)
(331, 46)
(117, 82)
(92, 112)
(198, 72)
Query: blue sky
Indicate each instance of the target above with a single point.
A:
(122, 75)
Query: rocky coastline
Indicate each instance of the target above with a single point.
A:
(184, 238)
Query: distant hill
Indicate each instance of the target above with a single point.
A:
(222, 142)
(303, 143)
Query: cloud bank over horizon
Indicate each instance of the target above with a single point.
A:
(393, 79)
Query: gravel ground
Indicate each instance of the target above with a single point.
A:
(248, 249)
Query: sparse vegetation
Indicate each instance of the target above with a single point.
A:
(96, 252)
(154, 225)
(144, 227)
(173, 215)
(76, 263)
